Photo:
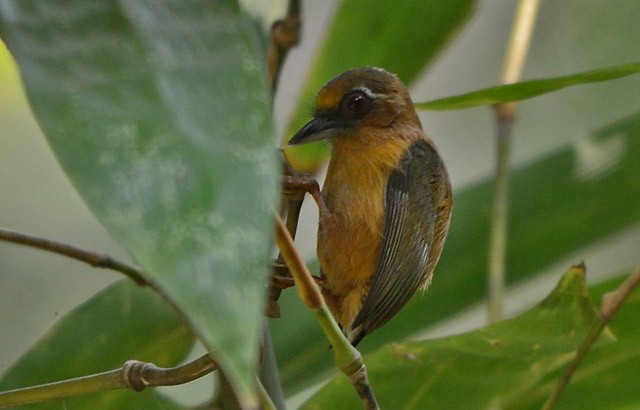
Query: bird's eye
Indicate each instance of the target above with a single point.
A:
(355, 105)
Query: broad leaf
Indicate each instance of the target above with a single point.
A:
(479, 370)
(607, 379)
(122, 322)
(399, 36)
(159, 113)
(527, 89)
(558, 205)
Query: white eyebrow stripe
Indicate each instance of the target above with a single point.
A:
(367, 91)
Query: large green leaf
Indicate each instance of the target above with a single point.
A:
(479, 370)
(607, 379)
(400, 36)
(555, 210)
(159, 113)
(527, 89)
(120, 323)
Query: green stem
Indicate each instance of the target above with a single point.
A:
(110, 380)
(505, 113)
(133, 375)
(499, 225)
(348, 358)
(269, 374)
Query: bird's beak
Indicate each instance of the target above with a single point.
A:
(317, 129)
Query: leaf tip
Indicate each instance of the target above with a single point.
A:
(580, 268)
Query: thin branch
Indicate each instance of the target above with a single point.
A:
(133, 375)
(285, 34)
(95, 259)
(505, 114)
(360, 381)
(292, 199)
(348, 358)
(305, 286)
(611, 302)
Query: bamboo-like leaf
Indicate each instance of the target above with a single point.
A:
(528, 89)
(159, 114)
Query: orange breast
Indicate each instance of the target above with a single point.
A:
(349, 238)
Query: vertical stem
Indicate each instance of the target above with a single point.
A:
(285, 34)
(520, 40)
(505, 113)
(499, 224)
(269, 375)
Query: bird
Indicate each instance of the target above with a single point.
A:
(387, 199)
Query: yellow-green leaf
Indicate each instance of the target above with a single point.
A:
(527, 89)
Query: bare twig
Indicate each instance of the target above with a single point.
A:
(95, 259)
(133, 375)
(294, 188)
(611, 302)
(292, 199)
(348, 358)
(505, 114)
(285, 34)
(360, 381)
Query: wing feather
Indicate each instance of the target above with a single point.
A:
(414, 195)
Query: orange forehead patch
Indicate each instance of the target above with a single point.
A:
(329, 97)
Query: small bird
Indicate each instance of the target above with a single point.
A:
(387, 199)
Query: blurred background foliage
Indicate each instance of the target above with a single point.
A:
(574, 189)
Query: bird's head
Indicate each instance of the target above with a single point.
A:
(365, 98)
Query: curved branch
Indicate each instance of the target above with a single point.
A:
(133, 375)
(95, 259)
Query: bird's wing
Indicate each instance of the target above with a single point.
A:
(413, 194)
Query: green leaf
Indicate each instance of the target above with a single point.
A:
(527, 89)
(120, 323)
(607, 379)
(159, 113)
(399, 36)
(482, 369)
(558, 204)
